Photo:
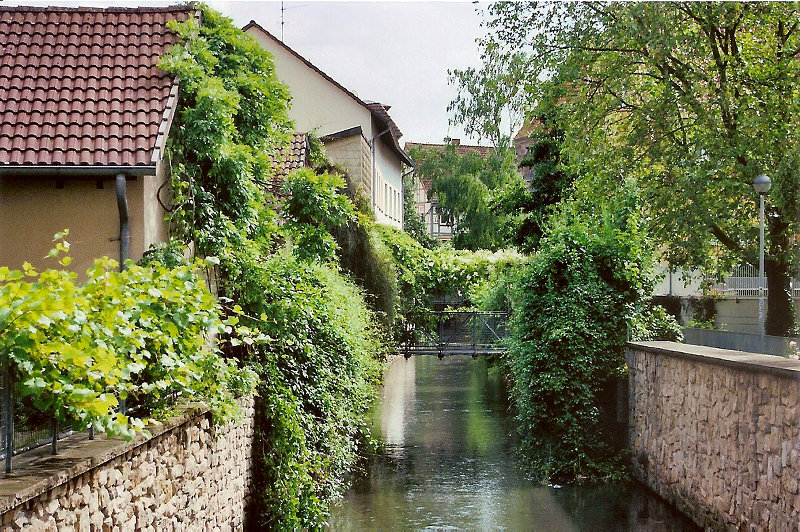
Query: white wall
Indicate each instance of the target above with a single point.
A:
(321, 107)
(682, 283)
(390, 194)
(317, 105)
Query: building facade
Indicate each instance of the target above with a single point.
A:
(85, 117)
(358, 135)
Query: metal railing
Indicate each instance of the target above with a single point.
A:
(458, 333)
(736, 341)
(743, 282)
(22, 427)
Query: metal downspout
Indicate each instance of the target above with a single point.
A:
(124, 223)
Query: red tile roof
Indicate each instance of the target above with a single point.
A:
(292, 156)
(288, 159)
(80, 86)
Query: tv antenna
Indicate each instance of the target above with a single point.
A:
(283, 14)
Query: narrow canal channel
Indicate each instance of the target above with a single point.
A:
(448, 462)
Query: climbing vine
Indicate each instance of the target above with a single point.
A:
(232, 113)
(320, 363)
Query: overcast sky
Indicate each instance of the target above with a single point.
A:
(396, 53)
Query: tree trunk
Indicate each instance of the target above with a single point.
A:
(780, 304)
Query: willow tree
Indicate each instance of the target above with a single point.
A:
(477, 195)
(689, 101)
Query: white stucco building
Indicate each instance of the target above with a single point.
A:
(359, 135)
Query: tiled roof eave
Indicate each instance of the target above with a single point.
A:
(107, 108)
(77, 171)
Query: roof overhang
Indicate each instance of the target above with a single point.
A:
(166, 122)
(344, 134)
(75, 172)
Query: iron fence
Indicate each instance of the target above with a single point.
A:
(458, 333)
(744, 282)
(22, 426)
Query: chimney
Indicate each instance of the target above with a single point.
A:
(455, 142)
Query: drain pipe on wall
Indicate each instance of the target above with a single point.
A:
(374, 174)
(124, 222)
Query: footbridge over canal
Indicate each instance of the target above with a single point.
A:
(473, 333)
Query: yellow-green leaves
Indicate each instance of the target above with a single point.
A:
(143, 334)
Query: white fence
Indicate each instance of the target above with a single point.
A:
(743, 282)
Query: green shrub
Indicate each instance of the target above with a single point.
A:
(145, 334)
(425, 274)
(569, 329)
(364, 256)
(655, 324)
(314, 206)
(319, 372)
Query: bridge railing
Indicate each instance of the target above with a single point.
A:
(458, 333)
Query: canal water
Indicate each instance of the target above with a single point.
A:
(448, 462)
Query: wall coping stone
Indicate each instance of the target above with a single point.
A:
(784, 367)
(37, 471)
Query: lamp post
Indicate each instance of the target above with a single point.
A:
(761, 184)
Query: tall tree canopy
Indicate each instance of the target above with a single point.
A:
(689, 101)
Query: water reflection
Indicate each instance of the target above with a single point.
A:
(449, 463)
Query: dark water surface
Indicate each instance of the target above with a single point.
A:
(449, 463)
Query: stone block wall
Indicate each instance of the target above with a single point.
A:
(717, 433)
(189, 475)
(354, 155)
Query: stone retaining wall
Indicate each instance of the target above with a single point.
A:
(188, 475)
(717, 433)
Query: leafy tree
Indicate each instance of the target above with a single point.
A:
(491, 94)
(550, 182)
(573, 303)
(688, 100)
(468, 188)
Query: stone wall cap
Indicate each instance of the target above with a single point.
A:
(38, 471)
(773, 364)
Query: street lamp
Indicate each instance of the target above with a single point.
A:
(761, 184)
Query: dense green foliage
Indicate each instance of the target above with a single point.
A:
(145, 335)
(318, 377)
(320, 359)
(691, 115)
(232, 112)
(575, 300)
(478, 196)
(313, 208)
(423, 275)
(550, 182)
(365, 257)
